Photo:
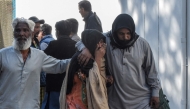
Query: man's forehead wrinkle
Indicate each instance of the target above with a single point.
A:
(22, 28)
(19, 26)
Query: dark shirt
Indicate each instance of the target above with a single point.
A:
(62, 48)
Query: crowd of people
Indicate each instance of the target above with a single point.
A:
(112, 70)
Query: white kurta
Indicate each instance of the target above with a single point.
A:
(20, 81)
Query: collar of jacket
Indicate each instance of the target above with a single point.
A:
(87, 16)
(63, 37)
(46, 36)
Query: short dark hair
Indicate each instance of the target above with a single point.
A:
(63, 27)
(46, 28)
(74, 25)
(86, 5)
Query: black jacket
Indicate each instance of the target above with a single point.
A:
(92, 21)
(62, 48)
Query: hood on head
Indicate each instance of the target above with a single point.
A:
(123, 21)
(90, 38)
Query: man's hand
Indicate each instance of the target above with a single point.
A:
(84, 57)
(154, 102)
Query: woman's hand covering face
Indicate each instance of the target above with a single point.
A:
(100, 50)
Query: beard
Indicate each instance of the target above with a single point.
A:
(22, 43)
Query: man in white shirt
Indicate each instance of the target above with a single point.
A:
(20, 67)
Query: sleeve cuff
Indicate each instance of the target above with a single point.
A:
(80, 46)
(155, 93)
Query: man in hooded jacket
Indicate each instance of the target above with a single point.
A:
(131, 63)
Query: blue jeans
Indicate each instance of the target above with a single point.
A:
(51, 100)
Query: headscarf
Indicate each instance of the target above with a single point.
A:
(90, 38)
(123, 21)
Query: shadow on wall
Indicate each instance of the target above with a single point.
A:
(159, 23)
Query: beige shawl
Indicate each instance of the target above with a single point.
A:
(95, 86)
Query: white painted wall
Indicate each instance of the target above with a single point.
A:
(187, 21)
(170, 50)
(158, 21)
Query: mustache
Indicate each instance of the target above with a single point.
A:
(22, 43)
(21, 38)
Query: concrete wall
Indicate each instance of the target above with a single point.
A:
(158, 21)
(186, 25)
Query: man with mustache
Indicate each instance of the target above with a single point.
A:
(20, 67)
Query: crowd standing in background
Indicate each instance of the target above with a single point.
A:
(45, 36)
(37, 36)
(35, 41)
(112, 70)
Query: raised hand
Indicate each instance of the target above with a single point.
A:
(100, 50)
